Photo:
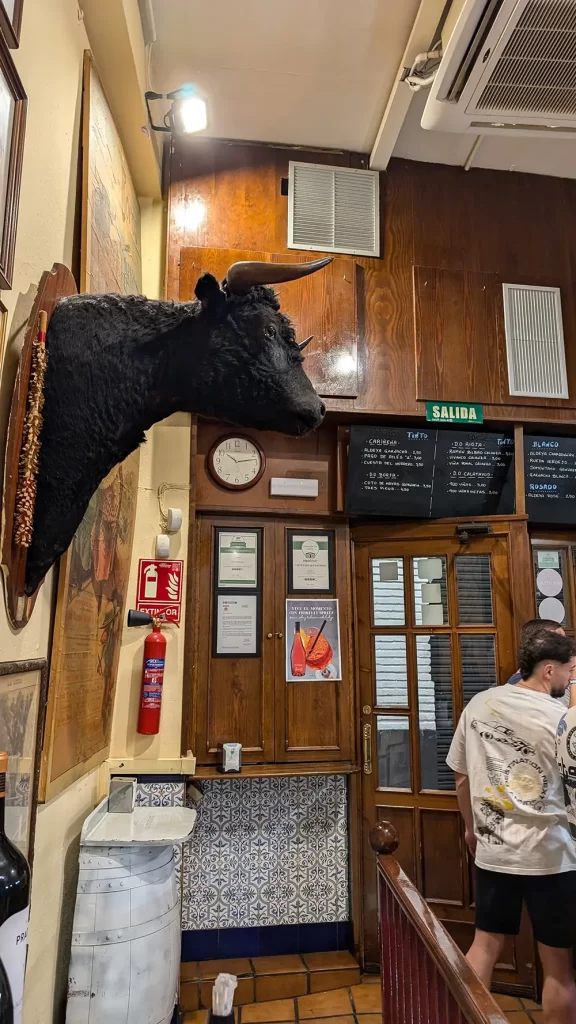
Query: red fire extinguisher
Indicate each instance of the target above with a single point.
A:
(152, 673)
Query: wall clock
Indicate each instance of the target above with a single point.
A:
(236, 462)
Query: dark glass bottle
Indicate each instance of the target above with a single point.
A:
(14, 908)
(6, 1009)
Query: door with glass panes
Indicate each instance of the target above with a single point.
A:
(434, 627)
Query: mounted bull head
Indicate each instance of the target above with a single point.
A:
(118, 364)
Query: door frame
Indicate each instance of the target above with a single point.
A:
(514, 529)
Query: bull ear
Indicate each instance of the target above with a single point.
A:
(210, 293)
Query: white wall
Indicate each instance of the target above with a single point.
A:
(165, 458)
(49, 62)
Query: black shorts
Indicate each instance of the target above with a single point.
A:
(550, 901)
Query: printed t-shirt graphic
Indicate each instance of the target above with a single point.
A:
(505, 744)
(566, 758)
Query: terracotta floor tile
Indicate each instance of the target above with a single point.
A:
(189, 971)
(324, 1004)
(529, 1004)
(370, 979)
(291, 964)
(329, 1020)
(367, 998)
(199, 1017)
(269, 1013)
(519, 1017)
(329, 961)
(210, 969)
(369, 1018)
(508, 1002)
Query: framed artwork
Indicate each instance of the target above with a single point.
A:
(3, 322)
(13, 104)
(11, 21)
(23, 697)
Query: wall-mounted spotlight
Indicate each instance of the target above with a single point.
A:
(187, 113)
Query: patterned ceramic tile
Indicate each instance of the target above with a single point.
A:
(160, 794)
(267, 852)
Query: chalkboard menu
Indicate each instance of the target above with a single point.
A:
(550, 475)
(429, 474)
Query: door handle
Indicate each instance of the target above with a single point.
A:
(367, 737)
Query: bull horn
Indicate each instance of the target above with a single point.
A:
(303, 344)
(241, 277)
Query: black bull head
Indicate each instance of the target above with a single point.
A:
(118, 364)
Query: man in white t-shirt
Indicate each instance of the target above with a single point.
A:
(511, 798)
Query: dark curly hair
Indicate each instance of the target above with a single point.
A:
(545, 646)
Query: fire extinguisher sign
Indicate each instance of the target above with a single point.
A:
(160, 588)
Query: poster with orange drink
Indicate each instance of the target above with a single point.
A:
(312, 641)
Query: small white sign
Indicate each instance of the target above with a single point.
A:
(288, 487)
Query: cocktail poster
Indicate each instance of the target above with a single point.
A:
(312, 641)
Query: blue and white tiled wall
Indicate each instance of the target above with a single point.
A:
(268, 858)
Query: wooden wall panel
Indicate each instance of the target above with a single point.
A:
(518, 227)
(313, 456)
(457, 347)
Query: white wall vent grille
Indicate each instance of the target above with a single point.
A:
(333, 209)
(535, 341)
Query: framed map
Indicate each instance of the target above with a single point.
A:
(111, 255)
(94, 572)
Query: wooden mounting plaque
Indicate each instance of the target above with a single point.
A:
(54, 285)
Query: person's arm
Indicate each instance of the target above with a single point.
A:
(465, 805)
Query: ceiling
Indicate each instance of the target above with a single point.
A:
(320, 73)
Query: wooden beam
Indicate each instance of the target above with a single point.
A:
(421, 39)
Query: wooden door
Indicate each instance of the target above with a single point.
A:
(434, 622)
(313, 718)
(234, 699)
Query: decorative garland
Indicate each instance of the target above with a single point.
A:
(30, 453)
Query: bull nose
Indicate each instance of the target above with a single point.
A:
(322, 409)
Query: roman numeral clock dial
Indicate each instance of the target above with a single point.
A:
(236, 462)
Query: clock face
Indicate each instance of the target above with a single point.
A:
(236, 462)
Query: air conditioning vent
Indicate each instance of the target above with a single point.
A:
(535, 341)
(536, 70)
(333, 209)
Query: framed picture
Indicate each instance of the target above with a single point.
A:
(310, 561)
(11, 21)
(237, 612)
(13, 103)
(23, 697)
(3, 322)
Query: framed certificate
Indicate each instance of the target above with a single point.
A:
(237, 593)
(238, 558)
(310, 561)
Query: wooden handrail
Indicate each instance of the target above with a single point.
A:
(472, 1002)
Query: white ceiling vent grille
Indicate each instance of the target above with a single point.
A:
(535, 341)
(536, 69)
(333, 209)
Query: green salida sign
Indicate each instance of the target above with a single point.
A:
(454, 412)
